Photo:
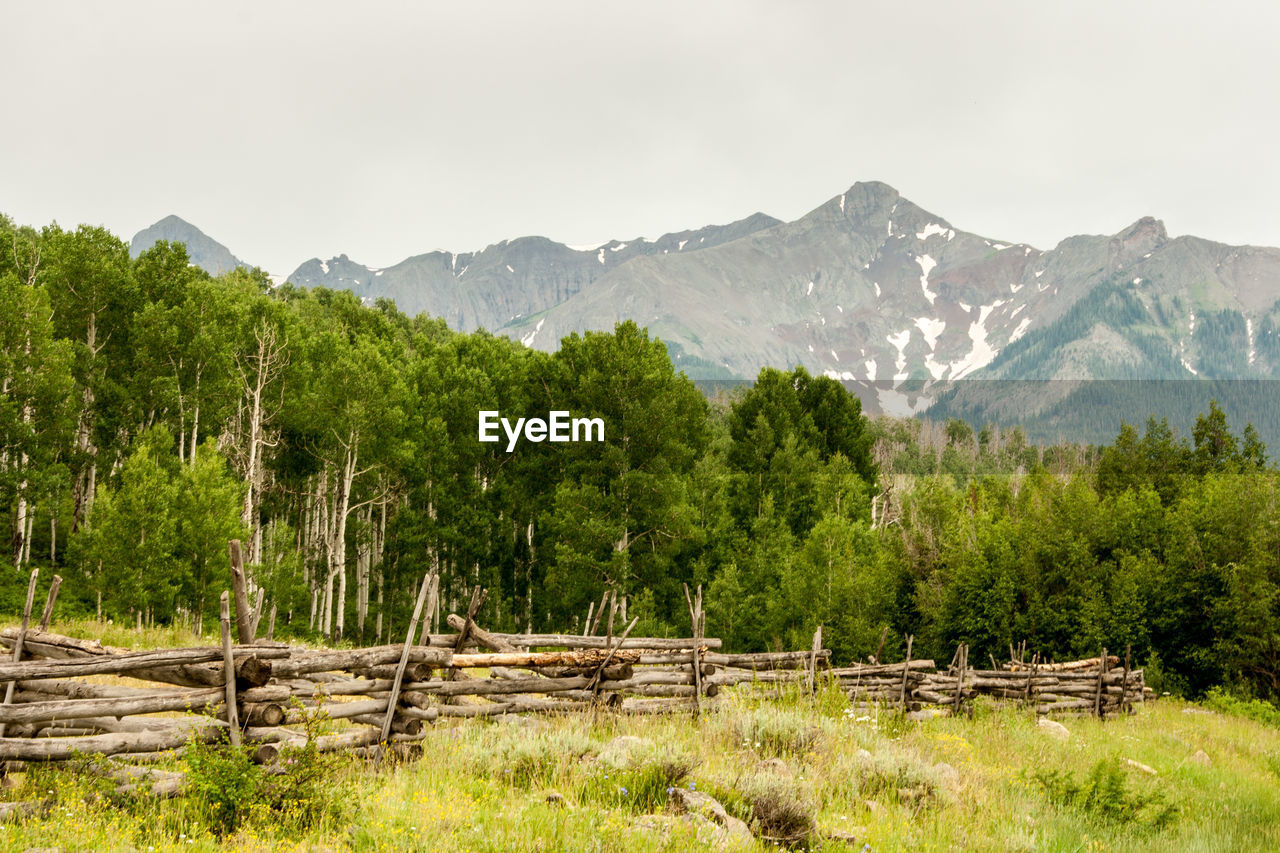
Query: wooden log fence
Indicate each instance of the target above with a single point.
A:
(259, 693)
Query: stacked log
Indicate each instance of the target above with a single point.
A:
(260, 693)
(55, 714)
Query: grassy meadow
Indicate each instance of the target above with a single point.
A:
(1173, 776)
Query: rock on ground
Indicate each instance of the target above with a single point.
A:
(1053, 728)
(707, 806)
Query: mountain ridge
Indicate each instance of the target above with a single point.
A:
(202, 250)
(866, 287)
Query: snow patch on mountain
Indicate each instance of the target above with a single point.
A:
(1022, 327)
(899, 342)
(932, 328)
(527, 340)
(898, 404)
(927, 264)
(934, 228)
(981, 353)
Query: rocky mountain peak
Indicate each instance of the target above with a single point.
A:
(1138, 240)
(202, 250)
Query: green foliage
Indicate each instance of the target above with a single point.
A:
(150, 412)
(231, 791)
(225, 782)
(779, 812)
(774, 732)
(641, 784)
(1106, 794)
(1254, 709)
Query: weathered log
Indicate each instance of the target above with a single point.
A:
(244, 618)
(763, 676)
(17, 809)
(884, 669)
(401, 724)
(357, 737)
(312, 662)
(21, 639)
(661, 706)
(340, 687)
(1067, 666)
(389, 753)
(765, 660)
(252, 662)
(430, 584)
(691, 690)
(580, 658)
(61, 749)
(1071, 705)
(490, 641)
(262, 713)
(427, 714)
(268, 752)
(132, 663)
(569, 641)
(228, 662)
(45, 689)
(387, 672)
(278, 693)
(343, 710)
(127, 725)
(70, 709)
(488, 686)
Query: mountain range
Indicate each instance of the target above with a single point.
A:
(867, 287)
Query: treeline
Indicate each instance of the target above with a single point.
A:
(150, 412)
(1166, 544)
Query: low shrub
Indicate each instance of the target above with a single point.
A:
(780, 811)
(1105, 793)
(775, 732)
(299, 792)
(1254, 709)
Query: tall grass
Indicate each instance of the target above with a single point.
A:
(792, 766)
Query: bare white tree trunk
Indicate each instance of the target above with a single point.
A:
(528, 582)
(339, 538)
(26, 539)
(377, 631)
(364, 559)
(257, 371)
(87, 483)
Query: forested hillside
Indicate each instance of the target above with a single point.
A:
(150, 412)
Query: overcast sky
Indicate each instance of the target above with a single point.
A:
(293, 130)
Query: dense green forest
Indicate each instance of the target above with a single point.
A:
(150, 412)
